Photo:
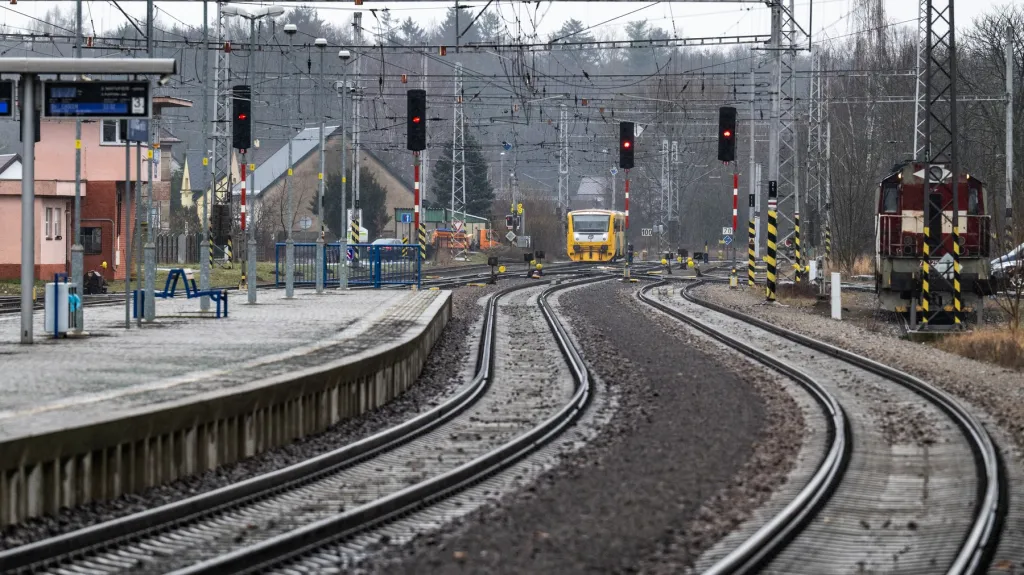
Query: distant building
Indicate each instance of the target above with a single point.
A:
(267, 183)
(593, 192)
(103, 180)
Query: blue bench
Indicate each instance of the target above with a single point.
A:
(219, 296)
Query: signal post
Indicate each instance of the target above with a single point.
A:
(627, 147)
(416, 141)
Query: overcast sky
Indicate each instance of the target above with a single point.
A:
(830, 17)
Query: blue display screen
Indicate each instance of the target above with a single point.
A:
(82, 108)
(5, 107)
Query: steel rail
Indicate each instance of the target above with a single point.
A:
(761, 547)
(102, 536)
(309, 538)
(980, 542)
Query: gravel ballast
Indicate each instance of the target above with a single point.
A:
(700, 438)
(436, 381)
(994, 394)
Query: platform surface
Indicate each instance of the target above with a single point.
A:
(54, 384)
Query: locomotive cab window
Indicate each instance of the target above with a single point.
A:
(972, 202)
(590, 223)
(890, 198)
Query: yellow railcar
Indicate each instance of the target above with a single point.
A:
(596, 235)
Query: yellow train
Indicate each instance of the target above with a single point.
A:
(596, 235)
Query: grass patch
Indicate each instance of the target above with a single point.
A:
(998, 346)
(864, 266)
(219, 277)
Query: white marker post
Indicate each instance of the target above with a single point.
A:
(837, 297)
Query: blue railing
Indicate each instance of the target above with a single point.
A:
(367, 264)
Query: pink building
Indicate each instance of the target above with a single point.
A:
(103, 177)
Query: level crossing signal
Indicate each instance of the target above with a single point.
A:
(627, 142)
(726, 134)
(416, 105)
(241, 120)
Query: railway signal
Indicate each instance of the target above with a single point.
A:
(726, 134)
(417, 120)
(627, 143)
(241, 120)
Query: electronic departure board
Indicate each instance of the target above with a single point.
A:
(6, 98)
(96, 99)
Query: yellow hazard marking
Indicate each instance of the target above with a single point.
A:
(289, 171)
(252, 167)
(501, 269)
(149, 154)
(206, 161)
(320, 175)
(78, 144)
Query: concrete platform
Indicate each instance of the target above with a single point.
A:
(123, 410)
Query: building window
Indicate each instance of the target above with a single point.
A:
(57, 230)
(49, 221)
(154, 217)
(113, 131)
(92, 240)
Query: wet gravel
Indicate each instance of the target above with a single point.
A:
(436, 381)
(700, 438)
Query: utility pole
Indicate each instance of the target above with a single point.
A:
(321, 220)
(289, 244)
(754, 175)
(250, 234)
(204, 246)
(773, 146)
(357, 136)
(665, 197)
(149, 247)
(563, 174)
(1010, 132)
(221, 194)
(458, 156)
(77, 251)
(342, 236)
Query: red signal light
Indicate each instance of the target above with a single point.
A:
(415, 119)
(625, 144)
(727, 133)
(242, 116)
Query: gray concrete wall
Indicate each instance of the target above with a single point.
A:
(74, 466)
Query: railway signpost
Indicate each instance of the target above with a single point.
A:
(646, 232)
(727, 240)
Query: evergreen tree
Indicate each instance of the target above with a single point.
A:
(372, 199)
(479, 191)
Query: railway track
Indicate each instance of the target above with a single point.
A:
(309, 515)
(878, 500)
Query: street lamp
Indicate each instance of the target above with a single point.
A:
(251, 15)
(321, 43)
(344, 56)
(289, 246)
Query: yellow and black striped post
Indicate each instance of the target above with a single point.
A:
(227, 252)
(751, 235)
(798, 264)
(213, 242)
(405, 251)
(353, 240)
(423, 241)
(926, 268)
(957, 303)
(769, 258)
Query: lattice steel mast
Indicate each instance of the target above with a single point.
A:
(458, 160)
(563, 172)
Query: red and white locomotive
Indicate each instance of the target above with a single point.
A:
(899, 240)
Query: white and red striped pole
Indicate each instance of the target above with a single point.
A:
(627, 199)
(242, 210)
(735, 200)
(416, 190)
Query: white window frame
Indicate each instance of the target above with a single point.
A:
(120, 134)
(57, 230)
(154, 217)
(48, 222)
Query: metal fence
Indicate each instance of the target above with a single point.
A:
(367, 264)
(184, 249)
